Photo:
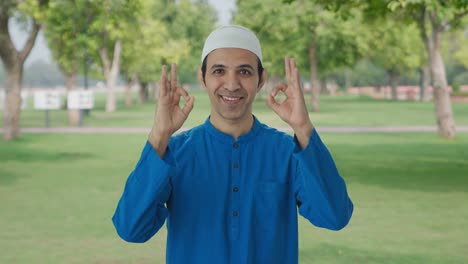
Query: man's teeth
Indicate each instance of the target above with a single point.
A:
(231, 98)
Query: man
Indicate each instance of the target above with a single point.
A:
(230, 188)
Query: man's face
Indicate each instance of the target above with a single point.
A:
(232, 82)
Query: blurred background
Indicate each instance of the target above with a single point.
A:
(385, 82)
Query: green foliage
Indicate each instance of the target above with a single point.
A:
(77, 29)
(460, 79)
(278, 33)
(341, 42)
(189, 22)
(290, 29)
(461, 40)
(35, 9)
(24, 12)
(148, 45)
(168, 32)
(366, 73)
(445, 14)
(66, 33)
(395, 46)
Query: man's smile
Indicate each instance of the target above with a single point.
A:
(231, 100)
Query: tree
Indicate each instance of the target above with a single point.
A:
(111, 21)
(434, 18)
(156, 37)
(319, 40)
(173, 33)
(31, 12)
(191, 21)
(65, 30)
(395, 47)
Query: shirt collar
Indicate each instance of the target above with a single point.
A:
(228, 138)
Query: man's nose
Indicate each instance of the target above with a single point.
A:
(231, 82)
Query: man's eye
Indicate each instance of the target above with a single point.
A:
(218, 71)
(245, 72)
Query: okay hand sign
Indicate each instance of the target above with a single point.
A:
(293, 109)
(169, 115)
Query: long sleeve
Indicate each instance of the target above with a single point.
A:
(141, 211)
(320, 191)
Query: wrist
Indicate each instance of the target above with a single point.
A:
(159, 141)
(303, 134)
(304, 130)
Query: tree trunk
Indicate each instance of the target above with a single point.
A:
(111, 72)
(323, 86)
(12, 108)
(443, 105)
(128, 94)
(347, 79)
(143, 93)
(393, 79)
(424, 81)
(128, 90)
(314, 82)
(73, 114)
(13, 61)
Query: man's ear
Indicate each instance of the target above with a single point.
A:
(262, 81)
(200, 78)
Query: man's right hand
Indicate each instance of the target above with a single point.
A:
(169, 115)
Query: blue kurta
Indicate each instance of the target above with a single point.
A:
(230, 201)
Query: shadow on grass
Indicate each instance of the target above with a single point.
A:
(8, 177)
(14, 156)
(326, 253)
(408, 166)
(24, 155)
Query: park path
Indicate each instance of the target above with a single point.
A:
(141, 130)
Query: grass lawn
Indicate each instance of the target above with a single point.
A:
(58, 193)
(344, 110)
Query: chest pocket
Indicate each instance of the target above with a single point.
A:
(271, 204)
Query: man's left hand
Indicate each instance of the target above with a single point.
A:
(293, 109)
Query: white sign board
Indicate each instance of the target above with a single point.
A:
(80, 99)
(24, 99)
(47, 100)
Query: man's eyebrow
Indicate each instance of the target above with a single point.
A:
(218, 66)
(245, 66)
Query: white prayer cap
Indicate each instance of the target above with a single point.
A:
(232, 37)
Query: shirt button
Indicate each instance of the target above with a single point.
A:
(235, 189)
(236, 145)
(235, 213)
(236, 165)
